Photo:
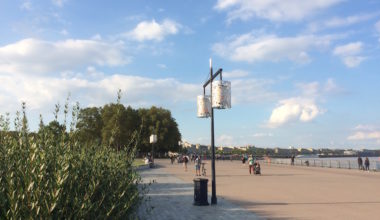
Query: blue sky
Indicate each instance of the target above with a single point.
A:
(303, 73)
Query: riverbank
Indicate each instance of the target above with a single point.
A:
(291, 192)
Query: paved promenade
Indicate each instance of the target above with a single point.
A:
(170, 197)
(281, 192)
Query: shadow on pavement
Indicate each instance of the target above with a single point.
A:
(168, 199)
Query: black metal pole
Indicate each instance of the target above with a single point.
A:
(213, 196)
(153, 152)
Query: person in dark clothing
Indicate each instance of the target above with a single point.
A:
(292, 160)
(360, 163)
(243, 159)
(366, 163)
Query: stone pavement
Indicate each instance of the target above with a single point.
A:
(171, 198)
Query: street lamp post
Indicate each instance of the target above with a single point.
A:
(206, 107)
(213, 182)
(152, 140)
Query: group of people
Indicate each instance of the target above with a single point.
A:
(360, 163)
(196, 159)
(253, 164)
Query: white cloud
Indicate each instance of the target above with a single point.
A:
(353, 61)
(361, 135)
(337, 22)
(348, 49)
(259, 135)
(294, 109)
(32, 56)
(64, 32)
(304, 107)
(316, 90)
(42, 92)
(309, 89)
(151, 30)
(249, 48)
(369, 134)
(377, 28)
(330, 86)
(273, 10)
(226, 140)
(59, 3)
(250, 90)
(365, 127)
(26, 5)
(235, 73)
(349, 53)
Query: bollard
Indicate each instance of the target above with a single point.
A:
(200, 192)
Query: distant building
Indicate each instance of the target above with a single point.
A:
(245, 148)
(305, 150)
(227, 150)
(191, 148)
(282, 151)
(201, 148)
(349, 153)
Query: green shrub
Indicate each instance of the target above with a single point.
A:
(45, 175)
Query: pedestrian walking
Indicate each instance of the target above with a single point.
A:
(185, 161)
(292, 160)
(250, 164)
(197, 165)
(366, 163)
(243, 159)
(360, 163)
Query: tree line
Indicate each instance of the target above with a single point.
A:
(115, 125)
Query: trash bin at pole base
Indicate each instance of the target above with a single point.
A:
(200, 191)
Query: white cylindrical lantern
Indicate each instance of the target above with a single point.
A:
(221, 94)
(204, 106)
(153, 138)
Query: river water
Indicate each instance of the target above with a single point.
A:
(333, 162)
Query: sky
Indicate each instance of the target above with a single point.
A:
(303, 73)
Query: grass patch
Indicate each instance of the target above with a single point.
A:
(138, 162)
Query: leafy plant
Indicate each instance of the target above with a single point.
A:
(50, 175)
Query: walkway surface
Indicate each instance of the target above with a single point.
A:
(170, 197)
(281, 192)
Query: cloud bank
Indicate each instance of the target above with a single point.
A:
(249, 48)
(33, 56)
(273, 10)
(350, 54)
(153, 31)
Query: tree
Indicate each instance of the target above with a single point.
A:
(119, 124)
(89, 126)
(159, 121)
(55, 130)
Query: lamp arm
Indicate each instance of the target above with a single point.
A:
(213, 77)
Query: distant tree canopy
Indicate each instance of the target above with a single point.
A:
(114, 125)
(90, 126)
(159, 121)
(119, 124)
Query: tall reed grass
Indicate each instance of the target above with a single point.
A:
(44, 175)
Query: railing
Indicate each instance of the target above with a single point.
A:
(326, 163)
